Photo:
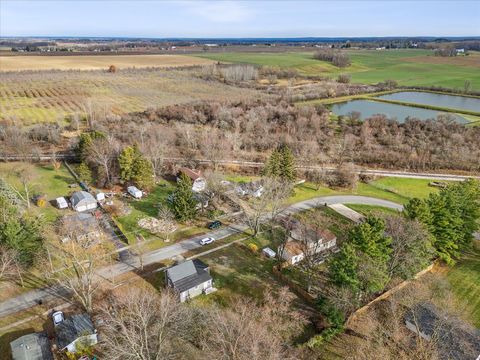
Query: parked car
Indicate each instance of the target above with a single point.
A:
(214, 225)
(207, 240)
(57, 317)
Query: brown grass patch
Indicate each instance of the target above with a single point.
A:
(95, 62)
(470, 60)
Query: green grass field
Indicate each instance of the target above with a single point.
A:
(372, 210)
(464, 278)
(408, 67)
(46, 180)
(398, 190)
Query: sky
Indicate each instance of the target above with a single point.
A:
(229, 18)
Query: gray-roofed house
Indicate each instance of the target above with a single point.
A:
(189, 279)
(83, 201)
(455, 339)
(73, 330)
(31, 347)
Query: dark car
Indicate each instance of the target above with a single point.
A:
(214, 225)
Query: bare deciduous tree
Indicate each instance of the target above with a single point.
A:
(246, 330)
(142, 325)
(78, 275)
(9, 266)
(102, 153)
(26, 174)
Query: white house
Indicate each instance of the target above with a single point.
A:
(305, 239)
(83, 201)
(74, 330)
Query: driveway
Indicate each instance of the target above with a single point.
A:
(31, 298)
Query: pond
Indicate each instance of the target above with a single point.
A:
(441, 100)
(368, 108)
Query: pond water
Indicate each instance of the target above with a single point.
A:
(442, 100)
(400, 112)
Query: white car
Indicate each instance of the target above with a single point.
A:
(57, 317)
(207, 240)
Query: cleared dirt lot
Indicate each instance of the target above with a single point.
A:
(95, 62)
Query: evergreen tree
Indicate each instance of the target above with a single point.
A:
(287, 164)
(126, 161)
(272, 168)
(183, 202)
(134, 167)
(281, 164)
(343, 267)
(142, 173)
(21, 232)
(369, 237)
(417, 209)
(86, 139)
(84, 173)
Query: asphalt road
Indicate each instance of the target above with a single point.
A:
(32, 298)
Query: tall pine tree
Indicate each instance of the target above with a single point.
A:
(183, 202)
(134, 167)
(287, 164)
(281, 164)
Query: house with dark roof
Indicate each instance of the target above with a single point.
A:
(198, 181)
(74, 330)
(189, 279)
(31, 347)
(455, 339)
(83, 201)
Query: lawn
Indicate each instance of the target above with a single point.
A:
(464, 278)
(371, 209)
(408, 67)
(46, 180)
(236, 270)
(148, 207)
(398, 190)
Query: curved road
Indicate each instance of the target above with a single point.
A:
(32, 298)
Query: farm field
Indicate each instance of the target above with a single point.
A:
(408, 67)
(38, 97)
(96, 62)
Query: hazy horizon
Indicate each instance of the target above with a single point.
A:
(239, 19)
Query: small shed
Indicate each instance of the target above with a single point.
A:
(61, 202)
(83, 201)
(135, 192)
(269, 252)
